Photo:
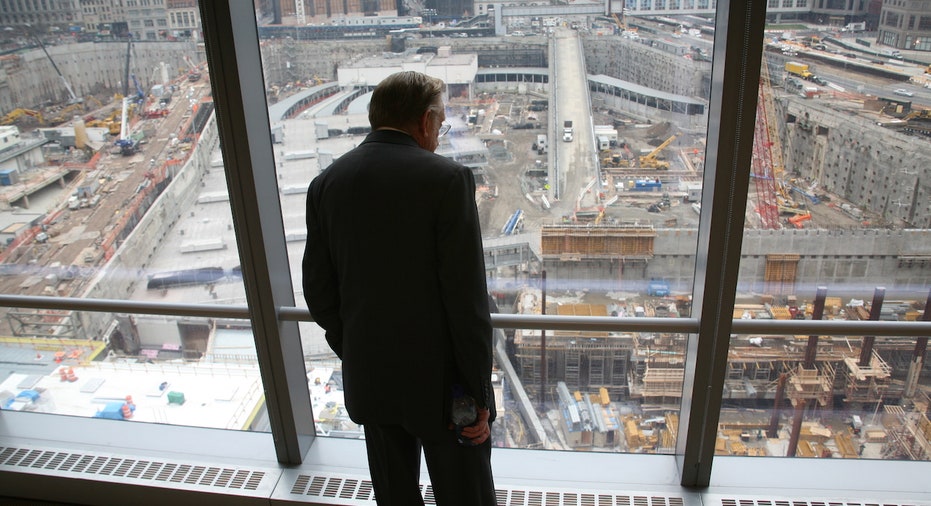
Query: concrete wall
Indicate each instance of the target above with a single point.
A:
(848, 262)
(127, 267)
(639, 63)
(873, 167)
(28, 79)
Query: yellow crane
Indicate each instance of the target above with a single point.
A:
(650, 161)
(620, 23)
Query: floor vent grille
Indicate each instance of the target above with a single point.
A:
(793, 502)
(137, 470)
(336, 489)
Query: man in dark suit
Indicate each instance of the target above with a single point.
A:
(394, 273)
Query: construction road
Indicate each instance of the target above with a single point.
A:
(79, 240)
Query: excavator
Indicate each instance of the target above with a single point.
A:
(112, 122)
(918, 122)
(12, 116)
(67, 113)
(799, 219)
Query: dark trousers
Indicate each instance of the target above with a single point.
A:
(460, 475)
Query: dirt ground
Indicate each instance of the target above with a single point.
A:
(514, 173)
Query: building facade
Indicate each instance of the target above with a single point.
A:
(905, 25)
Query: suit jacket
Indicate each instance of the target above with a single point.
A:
(394, 272)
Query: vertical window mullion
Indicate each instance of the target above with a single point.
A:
(738, 49)
(234, 60)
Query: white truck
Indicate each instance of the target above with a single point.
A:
(567, 130)
(854, 27)
(540, 145)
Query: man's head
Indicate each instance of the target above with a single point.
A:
(412, 102)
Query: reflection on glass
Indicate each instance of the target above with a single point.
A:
(198, 372)
(586, 139)
(603, 391)
(112, 187)
(836, 227)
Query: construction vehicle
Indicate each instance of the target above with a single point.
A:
(651, 160)
(139, 97)
(619, 21)
(798, 220)
(767, 164)
(155, 112)
(918, 122)
(567, 130)
(854, 27)
(194, 74)
(94, 101)
(12, 116)
(67, 113)
(658, 288)
(111, 122)
(794, 68)
(128, 146)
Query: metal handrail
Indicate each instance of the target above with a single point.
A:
(499, 320)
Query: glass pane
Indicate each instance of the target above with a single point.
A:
(595, 182)
(837, 406)
(605, 391)
(838, 200)
(169, 370)
(112, 186)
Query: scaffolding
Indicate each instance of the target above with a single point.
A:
(46, 323)
(867, 383)
(909, 434)
(815, 384)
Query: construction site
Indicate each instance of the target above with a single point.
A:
(838, 199)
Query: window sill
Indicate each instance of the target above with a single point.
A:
(335, 463)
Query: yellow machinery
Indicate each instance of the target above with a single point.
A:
(620, 24)
(113, 122)
(67, 113)
(15, 114)
(650, 160)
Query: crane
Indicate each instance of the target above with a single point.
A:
(650, 161)
(126, 143)
(619, 21)
(129, 48)
(74, 98)
(767, 155)
(194, 74)
(140, 94)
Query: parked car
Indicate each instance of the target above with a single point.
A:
(903, 92)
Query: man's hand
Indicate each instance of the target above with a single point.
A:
(479, 431)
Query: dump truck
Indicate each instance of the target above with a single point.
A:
(567, 130)
(798, 69)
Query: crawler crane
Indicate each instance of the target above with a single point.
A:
(767, 154)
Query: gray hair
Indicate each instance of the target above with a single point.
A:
(401, 99)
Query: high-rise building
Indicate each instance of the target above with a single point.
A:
(53, 15)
